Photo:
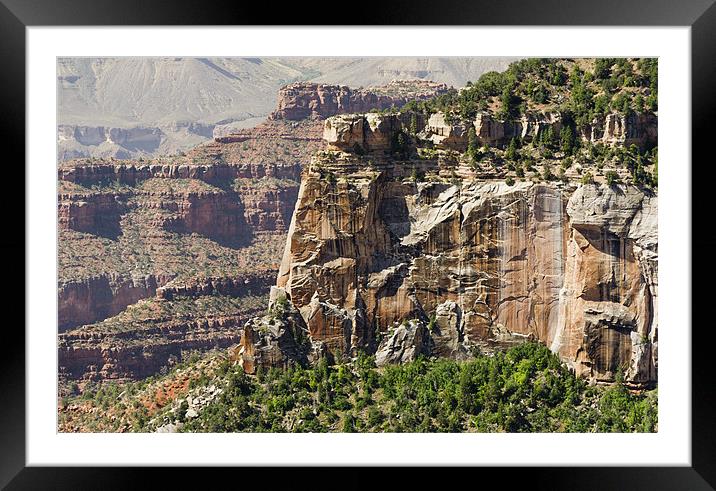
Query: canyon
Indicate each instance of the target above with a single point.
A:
(372, 232)
(211, 221)
(146, 107)
(378, 262)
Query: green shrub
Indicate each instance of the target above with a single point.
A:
(612, 177)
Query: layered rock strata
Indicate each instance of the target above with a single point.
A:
(478, 263)
(95, 298)
(304, 100)
(139, 354)
(134, 172)
(610, 129)
(154, 333)
(93, 213)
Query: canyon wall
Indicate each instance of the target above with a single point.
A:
(92, 299)
(610, 129)
(91, 213)
(373, 259)
(133, 355)
(133, 172)
(304, 100)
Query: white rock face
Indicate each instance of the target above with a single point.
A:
(405, 344)
(446, 135)
(344, 131)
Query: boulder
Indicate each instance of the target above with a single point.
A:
(344, 132)
(406, 343)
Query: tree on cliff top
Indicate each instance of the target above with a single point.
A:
(472, 146)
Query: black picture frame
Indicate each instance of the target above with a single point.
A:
(700, 15)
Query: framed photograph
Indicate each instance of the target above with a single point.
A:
(431, 237)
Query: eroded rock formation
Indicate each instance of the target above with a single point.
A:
(133, 355)
(611, 129)
(91, 299)
(303, 100)
(483, 263)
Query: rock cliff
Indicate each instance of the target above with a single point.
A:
(303, 100)
(153, 334)
(611, 129)
(385, 264)
(84, 301)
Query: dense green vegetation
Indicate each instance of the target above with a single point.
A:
(581, 89)
(525, 389)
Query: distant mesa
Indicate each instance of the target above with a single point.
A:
(304, 100)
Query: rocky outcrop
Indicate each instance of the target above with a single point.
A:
(612, 129)
(619, 129)
(277, 340)
(446, 134)
(233, 287)
(493, 264)
(447, 332)
(304, 100)
(133, 172)
(405, 344)
(370, 132)
(96, 298)
(92, 213)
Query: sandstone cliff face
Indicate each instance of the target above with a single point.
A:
(93, 213)
(212, 213)
(634, 129)
(89, 356)
(96, 298)
(304, 100)
(483, 263)
(131, 172)
(267, 207)
(612, 284)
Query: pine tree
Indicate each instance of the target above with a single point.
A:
(414, 124)
(511, 153)
(612, 177)
(567, 140)
(472, 147)
(548, 138)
